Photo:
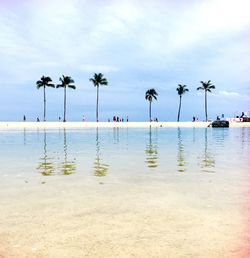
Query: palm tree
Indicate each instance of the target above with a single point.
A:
(207, 87)
(98, 80)
(150, 95)
(65, 82)
(181, 90)
(44, 82)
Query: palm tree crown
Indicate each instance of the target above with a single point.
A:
(206, 87)
(66, 81)
(98, 80)
(150, 95)
(44, 82)
(181, 89)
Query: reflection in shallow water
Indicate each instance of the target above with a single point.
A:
(180, 154)
(67, 167)
(203, 150)
(45, 166)
(116, 135)
(100, 168)
(132, 202)
(151, 150)
(207, 160)
(24, 136)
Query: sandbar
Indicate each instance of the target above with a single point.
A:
(77, 125)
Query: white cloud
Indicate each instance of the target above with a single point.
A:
(140, 43)
(98, 68)
(229, 93)
(235, 95)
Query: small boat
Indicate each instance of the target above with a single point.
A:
(220, 123)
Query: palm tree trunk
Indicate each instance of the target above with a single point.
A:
(97, 102)
(150, 111)
(206, 105)
(179, 111)
(64, 115)
(44, 104)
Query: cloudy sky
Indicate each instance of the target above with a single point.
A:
(136, 44)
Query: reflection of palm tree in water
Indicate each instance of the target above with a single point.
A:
(151, 151)
(45, 166)
(207, 160)
(180, 155)
(67, 167)
(100, 169)
(24, 136)
(115, 134)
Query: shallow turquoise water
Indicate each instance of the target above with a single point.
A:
(131, 154)
(113, 192)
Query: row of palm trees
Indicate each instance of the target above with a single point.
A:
(98, 80)
(68, 82)
(151, 94)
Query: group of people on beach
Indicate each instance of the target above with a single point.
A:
(155, 119)
(115, 119)
(118, 119)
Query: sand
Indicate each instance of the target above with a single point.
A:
(51, 125)
(72, 218)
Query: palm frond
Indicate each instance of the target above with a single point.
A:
(72, 87)
(39, 84)
(104, 82)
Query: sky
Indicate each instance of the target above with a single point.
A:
(137, 45)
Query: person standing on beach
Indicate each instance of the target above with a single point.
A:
(24, 118)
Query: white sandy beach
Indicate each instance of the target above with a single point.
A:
(51, 125)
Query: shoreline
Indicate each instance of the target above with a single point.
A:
(79, 125)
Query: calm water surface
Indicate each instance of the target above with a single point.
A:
(129, 153)
(197, 178)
